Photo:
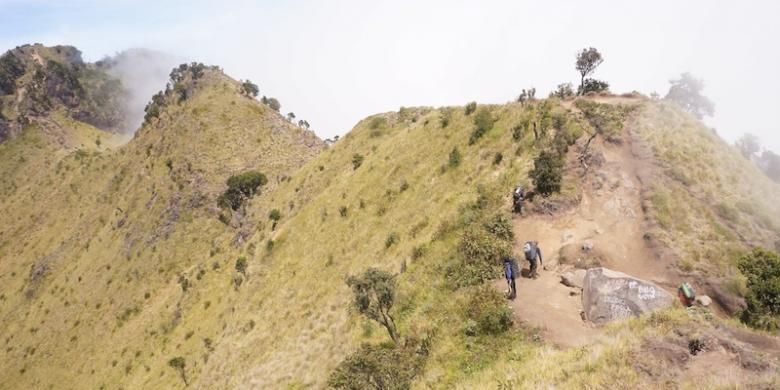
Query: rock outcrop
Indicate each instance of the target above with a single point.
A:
(610, 295)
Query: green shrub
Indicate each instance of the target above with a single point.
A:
(392, 239)
(520, 129)
(547, 173)
(383, 366)
(357, 160)
(488, 309)
(461, 274)
(471, 107)
(241, 187)
(762, 270)
(377, 122)
(478, 245)
(500, 226)
(179, 365)
(241, 265)
(563, 91)
(275, 215)
(483, 121)
(498, 158)
(455, 157)
(592, 85)
(446, 117)
(249, 89)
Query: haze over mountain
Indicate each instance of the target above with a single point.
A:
(337, 62)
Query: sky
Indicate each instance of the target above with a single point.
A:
(336, 62)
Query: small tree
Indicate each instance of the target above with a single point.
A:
(290, 116)
(275, 215)
(241, 265)
(357, 160)
(587, 61)
(274, 104)
(563, 91)
(241, 187)
(471, 107)
(548, 172)
(686, 92)
(748, 145)
(373, 296)
(249, 89)
(455, 157)
(179, 365)
(762, 270)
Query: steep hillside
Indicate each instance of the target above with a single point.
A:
(120, 270)
(95, 234)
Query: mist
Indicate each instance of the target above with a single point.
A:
(142, 72)
(334, 63)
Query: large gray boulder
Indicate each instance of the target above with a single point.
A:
(609, 295)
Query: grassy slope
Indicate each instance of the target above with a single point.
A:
(113, 229)
(710, 203)
(113, 293)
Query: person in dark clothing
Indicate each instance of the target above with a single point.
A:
(511, 271)
(532, 252)
(518, 196)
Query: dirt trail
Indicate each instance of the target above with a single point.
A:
(610, 217)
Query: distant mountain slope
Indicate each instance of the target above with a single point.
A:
(92, 229)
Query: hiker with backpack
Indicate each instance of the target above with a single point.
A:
(518, 196)
(532, 252)
(511, 271)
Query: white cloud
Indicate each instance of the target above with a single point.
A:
(336, 62)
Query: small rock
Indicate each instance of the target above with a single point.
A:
(587, 246)
(573, 278)
(567, 236)
(703, 300)
(598, 231)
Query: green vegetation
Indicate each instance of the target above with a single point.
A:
(563, 91)
(385, 366)
(241, 265)
(483, 121)
(449, 229)
(455, 157)
(357, 160)
(588, 60)
(470, 108)
(178, 363)
(487, 312)
(762, 270)
(240, 188)
(547, 173)
(249, 89)
(592, 86)
(373, 296)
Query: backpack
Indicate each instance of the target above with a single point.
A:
(687, 291)
(518, 194)
(509, 271)
(530, 250)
